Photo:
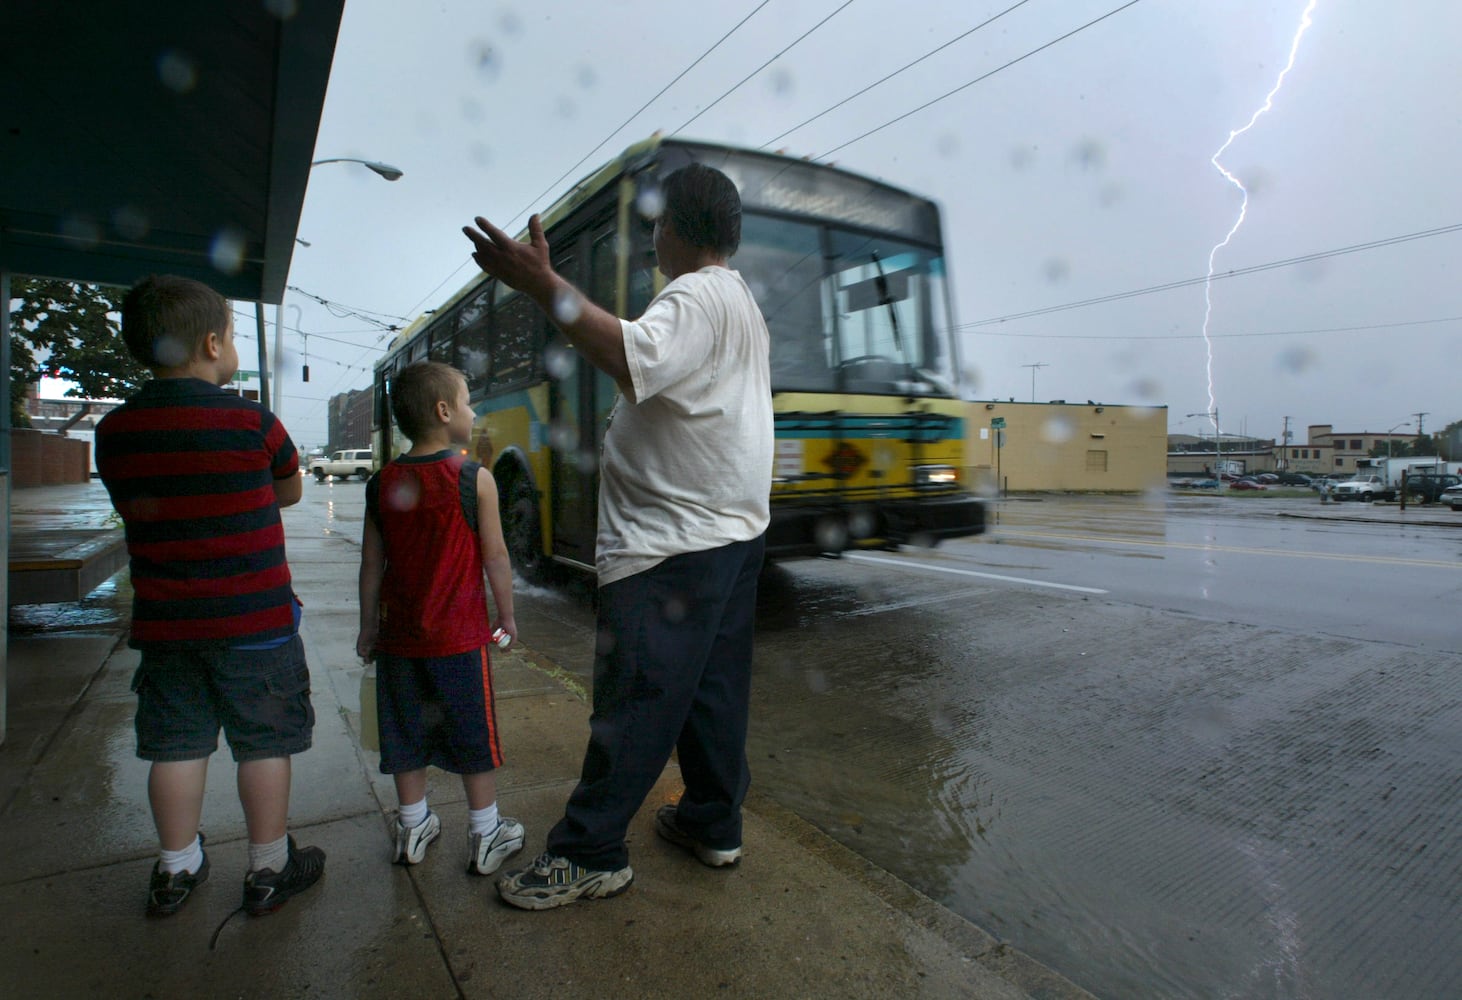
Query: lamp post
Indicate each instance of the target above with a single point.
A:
(1404, 423)
(1217, 446)
(385, 170)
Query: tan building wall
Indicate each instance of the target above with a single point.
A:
(1066, 447)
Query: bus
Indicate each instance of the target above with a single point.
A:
(849, 273)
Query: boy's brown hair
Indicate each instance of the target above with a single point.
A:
(415, 392)
(165, 319)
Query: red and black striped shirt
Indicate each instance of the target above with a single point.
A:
(191, 469)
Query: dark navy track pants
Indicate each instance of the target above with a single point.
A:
(672, 671)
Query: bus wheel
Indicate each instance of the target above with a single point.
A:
(522, 532)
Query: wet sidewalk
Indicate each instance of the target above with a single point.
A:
(801, 916)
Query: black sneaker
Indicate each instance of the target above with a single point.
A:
(669, 828)
(167, 893)
(266, 891)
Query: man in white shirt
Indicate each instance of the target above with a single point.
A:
(683, 510)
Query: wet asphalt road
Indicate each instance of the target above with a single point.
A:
(1167, 746)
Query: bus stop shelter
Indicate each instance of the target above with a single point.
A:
(167, 137)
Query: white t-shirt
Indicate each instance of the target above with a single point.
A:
(687, 462)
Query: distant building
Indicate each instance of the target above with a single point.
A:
(1345, 447)
(1064, 447)
(350, 420)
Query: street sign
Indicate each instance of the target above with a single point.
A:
(997, 421)
(244, 376)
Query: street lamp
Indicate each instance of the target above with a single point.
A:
(1404, 423)
(1217, 446)
(384, 170)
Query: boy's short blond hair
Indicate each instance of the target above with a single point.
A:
(165, 319)
(415, 392)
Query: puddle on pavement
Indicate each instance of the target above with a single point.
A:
(106, 607)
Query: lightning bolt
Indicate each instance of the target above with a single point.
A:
(1294, 47)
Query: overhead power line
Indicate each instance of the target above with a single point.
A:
(638, 111)
(880, 82)
(983, 76)
(795, 42)
(1218, 336)
(1232, 273)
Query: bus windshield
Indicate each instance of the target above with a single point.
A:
(848, 311)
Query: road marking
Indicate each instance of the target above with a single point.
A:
(1235, 549)
(909, 564)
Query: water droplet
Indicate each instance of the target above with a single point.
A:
(1296, 360)
(780, 83)
(404, 495)
(170, 352)
(1056, 270)
(227, 251)
(816, 681)
(1057, 430)
(567, 306)
(82, 230)
(563, 435)
(131, 222)
(585, 77)
(1089, 155)
(560, 361)
(650, 201)
(674, 609)
(482, 57)
(177, 71)
(283, 9)
(947, 144)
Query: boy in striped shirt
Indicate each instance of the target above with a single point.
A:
(199, 476)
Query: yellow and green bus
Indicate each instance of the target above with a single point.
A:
(850, 275)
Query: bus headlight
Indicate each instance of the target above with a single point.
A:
(932, 476)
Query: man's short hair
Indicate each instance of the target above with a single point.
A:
(165, 319)
(704, 208)
(415, 392)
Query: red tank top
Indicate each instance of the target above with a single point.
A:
(433, 596)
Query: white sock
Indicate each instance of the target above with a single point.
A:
(414, 814)
(189, 859)
(483, 821)
(273, 856)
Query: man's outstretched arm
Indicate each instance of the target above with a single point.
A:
(595, 332)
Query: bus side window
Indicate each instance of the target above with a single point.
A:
(472, 343)
(520, 340)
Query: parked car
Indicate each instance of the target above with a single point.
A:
(1452, 497)
(1267, 478)
(1294, 479)
(1429, 489)
(1247, 484)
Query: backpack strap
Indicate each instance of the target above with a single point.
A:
(467, 491)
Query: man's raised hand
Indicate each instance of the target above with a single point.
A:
(524, 266)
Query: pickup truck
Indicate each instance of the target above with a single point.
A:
(344, 464)
(1364, 488)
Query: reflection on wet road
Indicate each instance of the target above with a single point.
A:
(1236, 773)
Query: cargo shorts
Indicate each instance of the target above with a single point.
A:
(260, 698)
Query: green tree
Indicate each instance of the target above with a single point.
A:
(69, 330)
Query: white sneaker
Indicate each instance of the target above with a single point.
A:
(488, 852)
(411, 842)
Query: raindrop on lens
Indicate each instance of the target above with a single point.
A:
(567, 307)
(563, 435)
(1057, 430)
(82, 230)
(673, 610)
(131, 222)
(405, 495)
(485, 60)
(1296, 360)
(585, 460)
(560, 361)
(169, 352)
(176, 71)
(861, 524)
(650, 201)
(227, 251)
(816, 681)
(282, 9)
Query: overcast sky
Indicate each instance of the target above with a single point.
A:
(1080, 172)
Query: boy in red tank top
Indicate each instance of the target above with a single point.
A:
(431, 533)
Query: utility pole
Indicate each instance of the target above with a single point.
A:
(1284, 448)
(1420, 426)
(1033, 367)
